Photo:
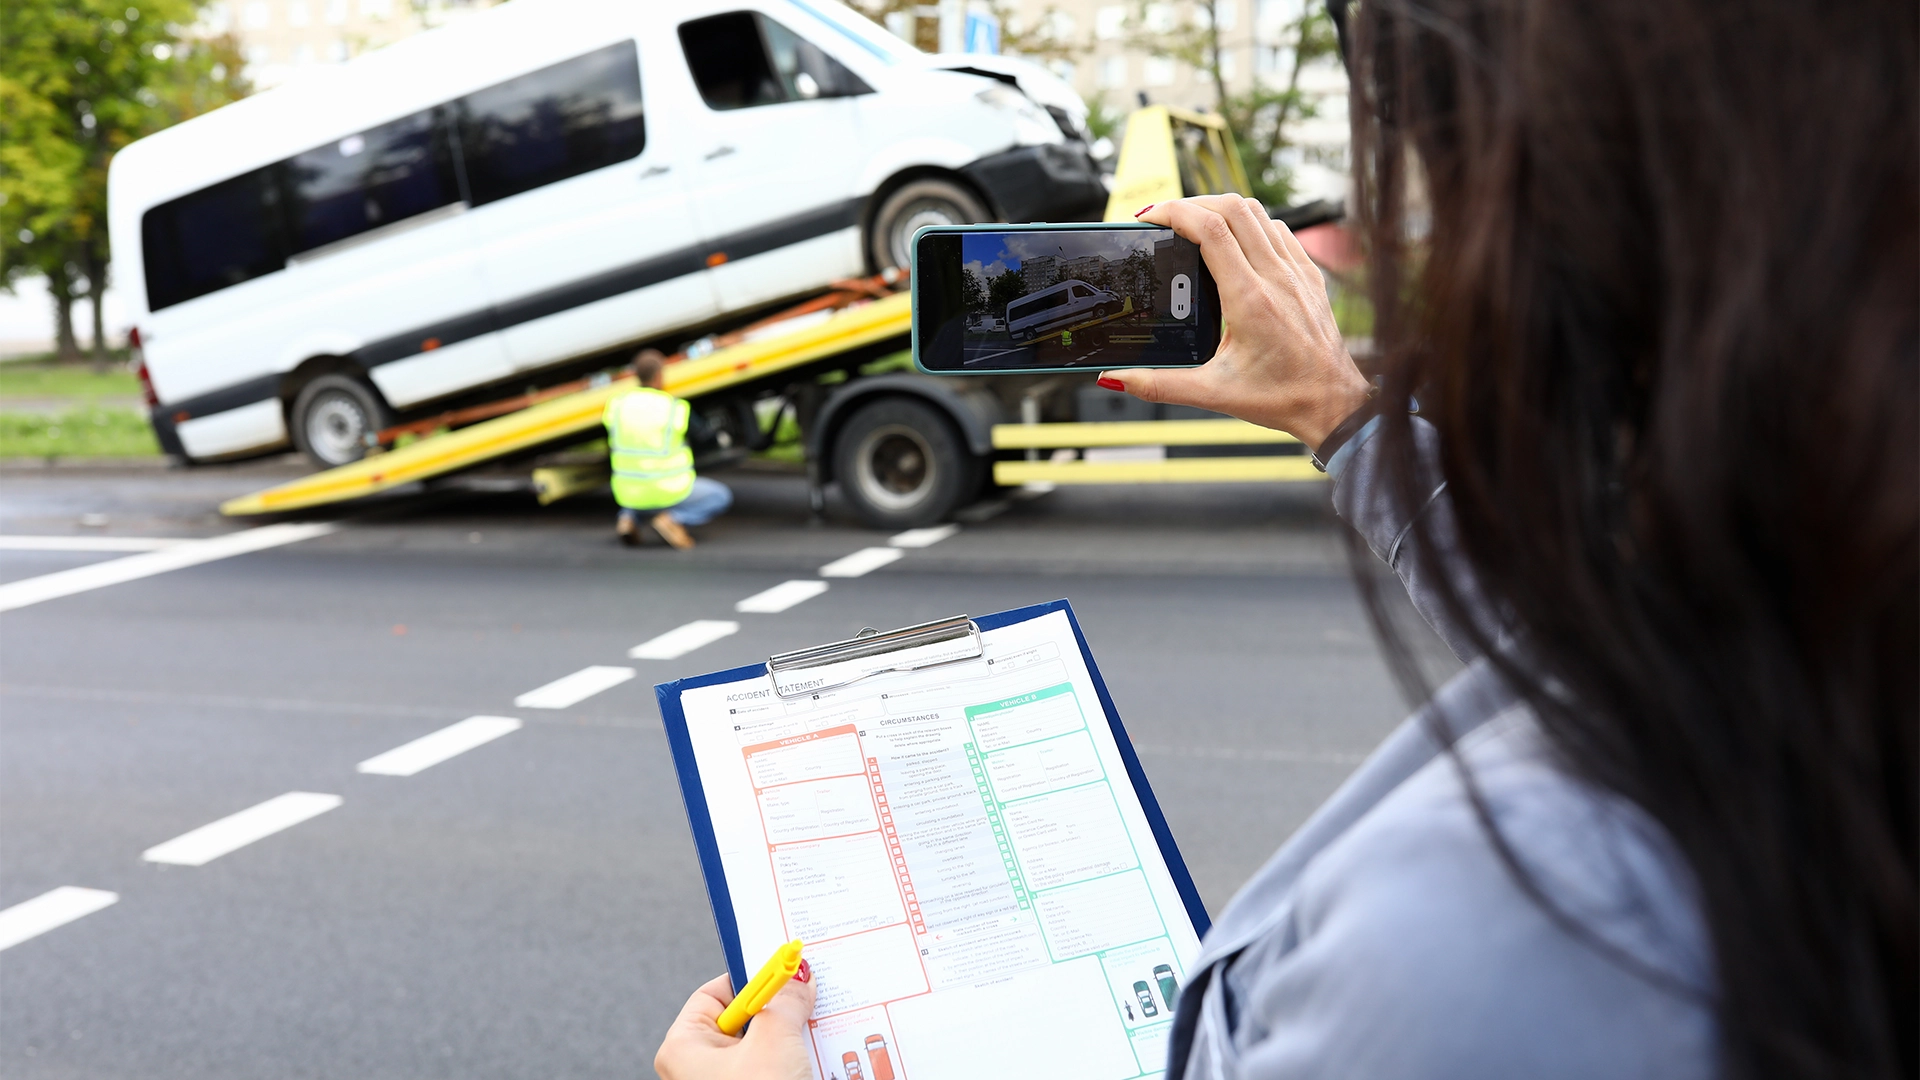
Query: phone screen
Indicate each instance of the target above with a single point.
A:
(988, 300)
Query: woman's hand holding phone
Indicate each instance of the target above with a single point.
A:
(1281, 362)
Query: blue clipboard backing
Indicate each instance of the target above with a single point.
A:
(693, 793)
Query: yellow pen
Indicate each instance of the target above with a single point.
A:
(760, 989)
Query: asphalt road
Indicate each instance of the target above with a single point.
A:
(533, 907)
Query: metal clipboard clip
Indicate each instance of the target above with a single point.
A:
(843, 663)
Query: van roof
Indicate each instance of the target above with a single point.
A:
(396, 80)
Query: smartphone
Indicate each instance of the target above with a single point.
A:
(1041, 298)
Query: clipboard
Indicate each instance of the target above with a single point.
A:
(843, 667)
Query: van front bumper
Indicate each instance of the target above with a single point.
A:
(1054, 182)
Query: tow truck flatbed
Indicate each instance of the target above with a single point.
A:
(879, 325)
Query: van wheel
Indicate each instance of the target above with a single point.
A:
(912, 206)
(901, 464)
(333, 416)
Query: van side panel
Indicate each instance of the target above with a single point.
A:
(235, 431)
(608, 256)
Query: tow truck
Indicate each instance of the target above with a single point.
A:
(905, 449)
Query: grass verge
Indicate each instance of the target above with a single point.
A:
(83, 432)
(30, 380)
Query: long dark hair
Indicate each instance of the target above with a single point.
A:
(1652, 268)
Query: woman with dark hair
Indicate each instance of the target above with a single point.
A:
(1652, 269)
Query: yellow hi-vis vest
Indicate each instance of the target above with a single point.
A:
(647, 432)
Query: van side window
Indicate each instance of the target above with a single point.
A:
(805, 70)
(218, 236)
(379, 176)
(743, 59)
(571, 118)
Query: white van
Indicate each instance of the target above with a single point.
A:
(543, 182)
(1061, 304)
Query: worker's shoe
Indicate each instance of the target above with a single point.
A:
(629, 530)
(672, 531)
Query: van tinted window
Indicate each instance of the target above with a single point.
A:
(1034, 305)
(573, 117)
(806, 71)
(561, 121)
(744, 59)
(216, 237)
(364, 181)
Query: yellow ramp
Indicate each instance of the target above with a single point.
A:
(1135, 433)
(579, 414)
(1196, 470)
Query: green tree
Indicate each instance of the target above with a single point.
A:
(973, 292)
(1259, 117)
(1004, 288)
(83, 78)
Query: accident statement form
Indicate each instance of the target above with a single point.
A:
(970, 852)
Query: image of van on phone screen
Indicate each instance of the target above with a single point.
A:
(1040, 298)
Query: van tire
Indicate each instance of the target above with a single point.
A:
(907, 208)
(901, 464)
(332, 417)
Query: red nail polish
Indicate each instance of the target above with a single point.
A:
(1110, 384)
(1144, 209)
(805, 974)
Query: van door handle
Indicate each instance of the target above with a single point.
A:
(655, 170)
(719, 152)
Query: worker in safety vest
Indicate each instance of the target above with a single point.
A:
(650, 433)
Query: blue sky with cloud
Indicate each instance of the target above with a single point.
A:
(990, 254)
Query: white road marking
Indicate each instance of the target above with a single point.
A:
(235, 831)
(927, 537)
(781, 597)
(682, 640)
(33, 590)
(573, 688)
(864, 561)
(88, 543)
(50, 910)
(430, 750)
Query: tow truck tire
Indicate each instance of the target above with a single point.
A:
(912, 205)
(332, 417)
(901, 464)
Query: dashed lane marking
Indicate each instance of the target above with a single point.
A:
(235, 831)
(927, 537)
(49, 911)
(88, 543)
(781, 597)
(33, 590)
(682, 640)
(573, 688)
(430, 750)
(861, 562)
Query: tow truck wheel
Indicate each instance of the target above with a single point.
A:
(901, 464)
(332, 418)
(911, 206)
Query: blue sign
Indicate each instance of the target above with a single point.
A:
(983, 32)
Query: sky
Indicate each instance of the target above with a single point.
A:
(990, 254)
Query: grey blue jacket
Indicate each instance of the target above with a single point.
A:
(1387, 939)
